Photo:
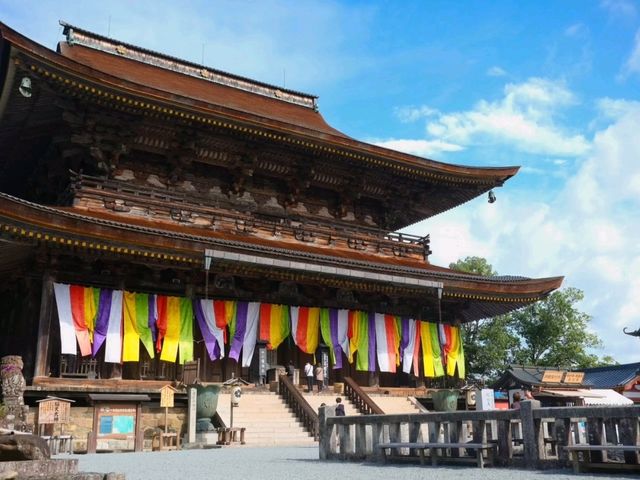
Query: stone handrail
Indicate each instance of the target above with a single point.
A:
(301, 408)
(542, 432)
(360, 399)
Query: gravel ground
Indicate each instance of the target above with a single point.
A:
(290, 464)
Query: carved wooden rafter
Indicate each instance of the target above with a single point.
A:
(242, 172)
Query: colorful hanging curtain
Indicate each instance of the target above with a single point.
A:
(186, 331)
(136, 326)
(407, 343)
(224, 310)
(454, 351)
(91, 304)
(352, 319)
(431, 359)
(230, 310)
(363, 340)
(161, 320)
(113, 346)
(305, 322)
(212, 320)
(152, 318)
(77, 308)
(245, 331)
(339, 335)
(416, 349)
(387, 342)
(334, 325)
(177, 315)
(275, 325)
(102, 321)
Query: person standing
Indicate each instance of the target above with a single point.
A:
(308, 372)
(319, 372)
(291, 369)
(339, 408)
(517, 398)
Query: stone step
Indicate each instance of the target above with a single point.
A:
(314, 400)
(267, 420)
(248, 422)
(395, 405)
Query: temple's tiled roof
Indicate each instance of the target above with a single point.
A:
(79, 36)
(611, 376)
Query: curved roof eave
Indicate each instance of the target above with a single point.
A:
(494, 175)
(190, 241)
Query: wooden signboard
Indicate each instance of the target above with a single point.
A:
(552, 376)
(166, 396)
(574, 377)
(54, 411)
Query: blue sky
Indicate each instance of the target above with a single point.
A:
(552, 86)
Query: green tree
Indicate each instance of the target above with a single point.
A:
(487, 343)
(477, 265)
(551, 332)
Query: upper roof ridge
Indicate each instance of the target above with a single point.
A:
(79, 36)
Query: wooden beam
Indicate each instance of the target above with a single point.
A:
(41, 368)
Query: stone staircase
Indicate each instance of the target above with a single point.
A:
(329, 398)
(391, 405)
(267, 420)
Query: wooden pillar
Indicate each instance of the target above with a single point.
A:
(139, 436)
(41, 368)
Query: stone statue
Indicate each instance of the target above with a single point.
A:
(18, 447)
(13, 387)
(633, 334)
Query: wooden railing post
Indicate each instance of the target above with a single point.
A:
(594, 434)
(562, 437)
(529, 434)
(414, 435)
(455, 429)
(628, 429)
(361, 440)
(505, 441)
(377, 437)
(324, 434)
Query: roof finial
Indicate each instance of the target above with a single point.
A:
(633, 334)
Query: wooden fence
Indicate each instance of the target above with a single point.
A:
(532, 436)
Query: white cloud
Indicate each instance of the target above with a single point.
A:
(496, 71)
(632, 65)
(523, 119)
(577, 30)
(619, 8)
(412, 114)
(612, 108)
(421, 148)
(254, 39)
(590, 232)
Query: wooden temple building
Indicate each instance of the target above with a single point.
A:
(123, 168)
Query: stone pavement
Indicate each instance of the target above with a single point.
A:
(291, 463)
